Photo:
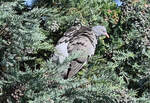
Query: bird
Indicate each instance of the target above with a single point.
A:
(77, 39)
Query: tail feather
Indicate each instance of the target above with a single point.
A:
(74, 69)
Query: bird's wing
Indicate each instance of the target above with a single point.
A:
(61, 52)
(81, 44)
(69, 34)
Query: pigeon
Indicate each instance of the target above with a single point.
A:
(77, 39)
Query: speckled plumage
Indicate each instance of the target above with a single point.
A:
(77, 38)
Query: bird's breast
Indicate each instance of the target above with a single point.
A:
(62, 52)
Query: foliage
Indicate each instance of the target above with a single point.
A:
(117, 73)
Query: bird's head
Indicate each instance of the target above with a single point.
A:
(100, 30)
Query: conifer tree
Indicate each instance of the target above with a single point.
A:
(117, 73)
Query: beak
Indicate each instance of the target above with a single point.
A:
(107, 35)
